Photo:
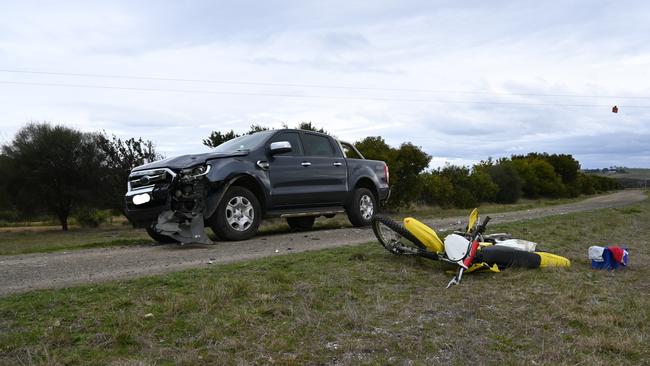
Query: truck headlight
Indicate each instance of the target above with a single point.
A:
(196, 171)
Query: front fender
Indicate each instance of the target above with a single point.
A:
(226, 172)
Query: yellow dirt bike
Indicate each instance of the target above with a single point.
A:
(470, 249)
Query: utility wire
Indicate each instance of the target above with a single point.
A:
(322, 86)
(194, 91)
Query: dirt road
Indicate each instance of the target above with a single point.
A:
(21, 273)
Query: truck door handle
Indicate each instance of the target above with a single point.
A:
(305, 164)
(337, 164)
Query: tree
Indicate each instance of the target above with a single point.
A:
(257, 128)
(5, 202)
(309, 127)
(375, 148)
(406, 164)
(483, 187)
(437, 190)
(217, 138)
(54, 168)
(550, 183)
(505, 176)
(459, 179)
(118, 158)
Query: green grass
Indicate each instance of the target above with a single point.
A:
(34, 239)
(523, 204)
(356, 305)
(39, 240)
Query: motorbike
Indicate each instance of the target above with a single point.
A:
(470, 249)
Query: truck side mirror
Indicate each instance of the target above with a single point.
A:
(280, 147)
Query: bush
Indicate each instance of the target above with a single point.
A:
(9, 216)
(91, 217)
(507, 179)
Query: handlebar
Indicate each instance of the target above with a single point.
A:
(474, 243)
(481, 228)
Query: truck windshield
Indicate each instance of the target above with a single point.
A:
(246, 142)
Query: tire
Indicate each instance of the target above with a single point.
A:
(395, 238)
(363, 207)
(160, 238)
(301, 223)
(238, 215)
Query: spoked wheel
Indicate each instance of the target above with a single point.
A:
(394, 237)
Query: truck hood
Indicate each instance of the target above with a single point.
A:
(187, 161)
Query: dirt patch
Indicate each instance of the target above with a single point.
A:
(22, 273)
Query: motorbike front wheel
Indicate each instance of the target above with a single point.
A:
(395, 238)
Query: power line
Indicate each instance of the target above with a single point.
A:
(194, 91)
(322, 86)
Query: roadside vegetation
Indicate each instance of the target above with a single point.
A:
(86, 172)
(115, 231)
(356, 305)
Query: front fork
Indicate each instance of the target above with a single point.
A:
(464, 264)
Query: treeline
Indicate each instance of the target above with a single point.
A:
(56, 170)
(216, 138)
(505, 180)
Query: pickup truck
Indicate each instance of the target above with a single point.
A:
(294, 174)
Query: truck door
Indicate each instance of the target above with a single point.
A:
(288, 184)
(326, 167)
(309, 175)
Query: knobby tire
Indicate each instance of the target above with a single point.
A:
(377, 220)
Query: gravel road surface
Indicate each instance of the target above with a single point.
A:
(21, 273)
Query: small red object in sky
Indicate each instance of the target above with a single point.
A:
(614, 109)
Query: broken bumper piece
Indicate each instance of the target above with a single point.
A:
(186, 228)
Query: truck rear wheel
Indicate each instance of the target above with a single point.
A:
(238, 215)
(363, 207)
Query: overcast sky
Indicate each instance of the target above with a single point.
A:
(462, 79)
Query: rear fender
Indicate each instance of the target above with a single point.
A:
(364, 182)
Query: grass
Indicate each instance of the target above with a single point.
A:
(631, 173)
(43, 240)
(356, 305)
(35, 239)
(523, 204)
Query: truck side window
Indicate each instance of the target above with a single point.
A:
(294, 140)
(316, 145)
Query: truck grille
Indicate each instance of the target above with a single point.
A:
(147, 178)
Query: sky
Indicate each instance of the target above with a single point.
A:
(465, 80)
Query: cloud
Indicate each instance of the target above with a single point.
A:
(464, 80)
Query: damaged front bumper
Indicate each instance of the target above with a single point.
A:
(172, 203)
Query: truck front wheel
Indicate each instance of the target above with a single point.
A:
(362, 208)
(238, 215)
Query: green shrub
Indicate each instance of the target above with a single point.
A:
(507, 179)
(9, 216)
(91, 217)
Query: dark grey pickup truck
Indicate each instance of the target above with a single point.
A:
(295, 174)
